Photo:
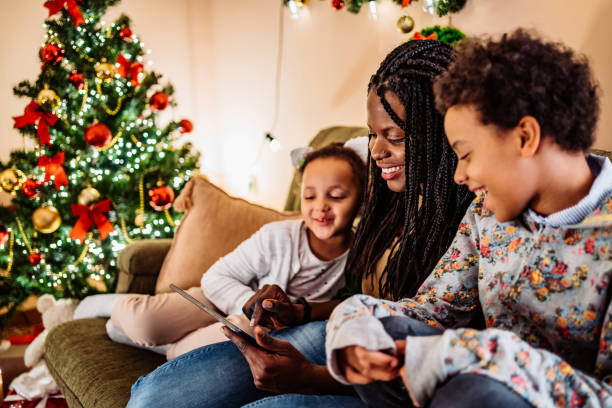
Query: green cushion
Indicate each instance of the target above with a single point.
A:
(90, 369)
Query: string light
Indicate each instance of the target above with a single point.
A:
(372, 7)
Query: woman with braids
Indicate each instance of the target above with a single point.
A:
(412, 209)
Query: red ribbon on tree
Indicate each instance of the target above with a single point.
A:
(419, 36)
(127, 68)
(88, 216)
(55, 6)
(53, 167)
(405, 3)
(32, 115)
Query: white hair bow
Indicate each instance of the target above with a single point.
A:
(358, 144)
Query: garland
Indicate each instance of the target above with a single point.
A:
(442, 7)
(447, 34)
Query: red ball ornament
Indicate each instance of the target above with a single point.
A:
(186, 126)
(161, 198)
(125, 33)
(30, 187)
(35, 258)
(76, 78)
(52, 54)
(98, 135)
(338, 4)
(159, 101)
(4, 235)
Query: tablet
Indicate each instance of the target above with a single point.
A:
(217, 316)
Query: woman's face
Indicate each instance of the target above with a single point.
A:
(387, 140)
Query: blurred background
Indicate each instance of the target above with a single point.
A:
(221, 57)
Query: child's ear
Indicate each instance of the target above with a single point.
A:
(529, 136)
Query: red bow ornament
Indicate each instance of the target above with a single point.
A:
(419, 36)
(405, 3)
(55, 6)
(53, 167)
(88, 216)
(127, 68)
(31, 116)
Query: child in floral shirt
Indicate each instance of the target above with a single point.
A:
(532, 257)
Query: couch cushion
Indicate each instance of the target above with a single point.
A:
(215, 223)
(90, 369)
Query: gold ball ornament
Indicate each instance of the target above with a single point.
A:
(405, 24)
(11, 180)
(105, 71)
(303, 2)
(139, 220)
(88, 196)
(46, 219)
(47, 98)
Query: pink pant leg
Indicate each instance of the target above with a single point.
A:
(160, 319)
(206, 335)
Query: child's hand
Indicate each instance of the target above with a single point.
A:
(271, 307)
(363, 366)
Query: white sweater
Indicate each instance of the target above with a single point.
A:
(279, 254)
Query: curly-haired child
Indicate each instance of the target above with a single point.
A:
(532, 257)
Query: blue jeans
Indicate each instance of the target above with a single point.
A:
(219, 376)
(461, 391)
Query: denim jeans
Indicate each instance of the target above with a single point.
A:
(219, 376)
(461, 391)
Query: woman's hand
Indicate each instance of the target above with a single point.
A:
(363, 366)
(271, 307)
(282, 368)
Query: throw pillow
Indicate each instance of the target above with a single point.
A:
(214, 224)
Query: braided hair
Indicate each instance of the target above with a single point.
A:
(419, 223)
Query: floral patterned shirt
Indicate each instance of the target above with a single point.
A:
(544, 293)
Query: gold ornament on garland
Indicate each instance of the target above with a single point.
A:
(46, 219)
(405, 24)
(139, 219)
(88, 196)
(11, 180)
(104, 71)
(47, 98)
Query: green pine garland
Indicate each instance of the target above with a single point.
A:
(443, 7)
(447, 34)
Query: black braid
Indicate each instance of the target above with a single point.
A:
(425, 229)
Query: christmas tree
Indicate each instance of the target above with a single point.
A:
(103, 173)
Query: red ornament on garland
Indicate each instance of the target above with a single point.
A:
(186, 126)
(159, 101)
(76, 78)
(338, 4)
(35, 258)
(52, 54)
(98, 135)
(161, 198)
(4, 235)
(125, 33)
(30, 188)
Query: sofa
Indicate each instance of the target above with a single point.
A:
(93, 371)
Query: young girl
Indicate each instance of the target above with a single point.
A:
(304, 257)
(412, 209)
(532, 257)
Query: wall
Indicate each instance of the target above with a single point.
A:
(221, 57)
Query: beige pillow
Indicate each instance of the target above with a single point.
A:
(214, 225)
